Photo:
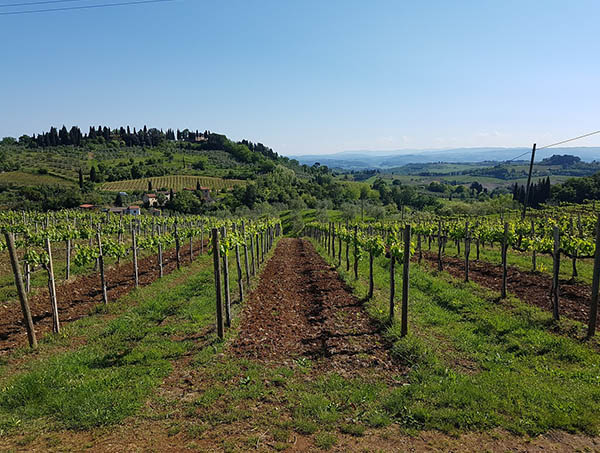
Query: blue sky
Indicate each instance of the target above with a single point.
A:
(308, 77)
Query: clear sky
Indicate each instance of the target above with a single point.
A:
(309, 77)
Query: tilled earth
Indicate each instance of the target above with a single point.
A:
(530, 287)
(77, 297)
(302, 309)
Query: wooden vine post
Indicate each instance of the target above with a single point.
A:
(392, 286)
(333, 239)
(405, 281)
(347, 250)
(246, 254)
(371, 283)
(52, 289)
(595, 284)
(177, 247)
(226, 279)
(14, 261)
(252, 255)
(217, 271)
(555, 273)
(160, 255)
(339, 248)
(68, 256)
(504, 267)
(533, 255)
(101, 261)
(440, 245)
(238, 263)
(136, 275)
(467, 250)
(355, 252)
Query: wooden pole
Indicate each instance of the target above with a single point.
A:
(440, 245)
(555, 273)
(253, 259)
(226, 281)
(68, 265)
(467, 250)
(355, 252)
(101, 261)
(14, 261)
(217, 271)
(405, 281)
(246, 254)
(528, 183)
(240, 278)
(177, 247)
(392, 286)
(347, 251)
(136, 276)
(533, 255)
(371, 283)
(52, 289)
(504, 267)
(595, 284)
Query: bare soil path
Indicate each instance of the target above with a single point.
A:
(302, 309)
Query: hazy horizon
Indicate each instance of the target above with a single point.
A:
(311, 77)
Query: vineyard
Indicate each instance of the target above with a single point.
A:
(345, 338)
(175, 182)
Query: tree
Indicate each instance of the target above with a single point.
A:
(80, 179)
(119, 200)
(364, 194)
(93, 174)
(149, 185)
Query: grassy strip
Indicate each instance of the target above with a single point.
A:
(109, 377)
(520, 260)
(519, 376)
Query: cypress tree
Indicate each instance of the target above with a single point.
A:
(80, 179)
(93, 175)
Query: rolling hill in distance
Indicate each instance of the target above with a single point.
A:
(361, 159)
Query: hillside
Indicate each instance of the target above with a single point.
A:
(175, 182)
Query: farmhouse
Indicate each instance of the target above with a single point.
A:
(152, 200)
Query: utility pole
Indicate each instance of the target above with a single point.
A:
(528, 183)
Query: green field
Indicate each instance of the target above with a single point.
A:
(175, 182)
(20, 178)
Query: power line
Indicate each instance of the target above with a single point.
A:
(520, 155)
(570, 139)
(557, 143)
(12, 5)
(70, 8)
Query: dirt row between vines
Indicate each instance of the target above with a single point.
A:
(530, 287)
(77, 297)
(302, 309)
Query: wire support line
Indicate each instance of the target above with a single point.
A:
(520, 155)
(589, 134)
(45, 2)
(570, 139)
(71, 8)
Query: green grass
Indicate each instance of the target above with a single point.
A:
(476, 364)
(522, 261)
(109, 377)
(20, 178)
